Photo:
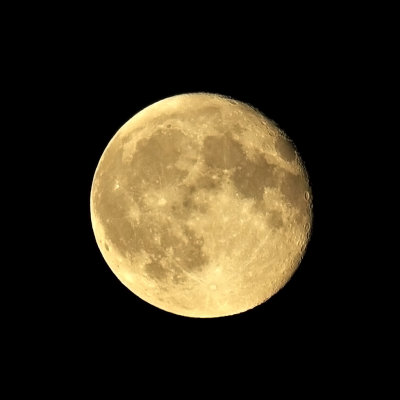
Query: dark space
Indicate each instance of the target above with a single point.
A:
(306, 304)
(76, 75)
(82, 303)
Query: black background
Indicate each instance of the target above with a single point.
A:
(81, 312)
(301, 102)
(72, 76)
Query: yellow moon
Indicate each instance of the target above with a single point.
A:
(201, 206)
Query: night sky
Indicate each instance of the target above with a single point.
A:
(83, 307)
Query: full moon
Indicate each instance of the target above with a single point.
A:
(201, 206)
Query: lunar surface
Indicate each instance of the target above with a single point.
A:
(201, 206)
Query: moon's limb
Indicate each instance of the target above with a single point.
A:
(201, 206)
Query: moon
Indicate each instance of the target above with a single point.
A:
(201, 206)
